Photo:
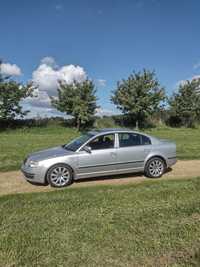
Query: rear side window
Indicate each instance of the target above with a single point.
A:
(145, 140)
(133, 139)
(129, 139)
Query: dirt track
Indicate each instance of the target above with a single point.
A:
(13, 182)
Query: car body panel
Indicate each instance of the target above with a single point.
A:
(96, 161)
(50, 153)
(100, 162)
(131, 157)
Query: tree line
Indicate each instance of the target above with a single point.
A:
(139, 98)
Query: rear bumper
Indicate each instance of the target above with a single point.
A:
(171, 161)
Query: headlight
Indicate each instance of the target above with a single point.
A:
(33, 163)
(25, 161)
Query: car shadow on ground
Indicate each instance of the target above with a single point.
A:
(106, 178)
(110, 177)
(117, 177)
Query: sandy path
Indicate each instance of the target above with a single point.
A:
(13, 182)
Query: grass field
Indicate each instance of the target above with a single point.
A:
(187, 140)
(149, 224)
(15, 145)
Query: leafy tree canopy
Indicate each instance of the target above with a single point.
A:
(139, 96)
(11, 93)
(185, 104)
(77, 99)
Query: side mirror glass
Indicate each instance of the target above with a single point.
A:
(87, 149)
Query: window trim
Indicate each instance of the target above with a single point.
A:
(96, 136)
(118, 141)
(146, 137)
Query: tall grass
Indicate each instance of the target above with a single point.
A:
(150, 224)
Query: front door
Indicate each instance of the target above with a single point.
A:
(102, 159)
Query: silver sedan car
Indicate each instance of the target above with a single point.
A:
(100, 153)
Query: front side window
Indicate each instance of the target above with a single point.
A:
(102, 142)
(133, 139)
(78, 142)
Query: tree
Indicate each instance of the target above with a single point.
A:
(185, 104)
(11, 93)
(139, 96)
(77, 99)
(1, 76)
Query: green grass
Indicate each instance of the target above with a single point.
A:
(15, 145)
(187, 140)
(149, 224)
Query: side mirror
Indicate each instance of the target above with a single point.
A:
(87, 149)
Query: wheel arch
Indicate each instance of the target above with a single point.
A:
(156, 156)
(54, 165)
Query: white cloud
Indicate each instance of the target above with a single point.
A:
(49, 61)
(43, 112)
(101, 82)
(183, 82)
(40, 99)
(40, 106)
(105, 112)
(46, 78)
(71, 73)
(196, 77)
(47, 75)
(10, 69)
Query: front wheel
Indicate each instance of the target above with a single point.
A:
(59, 175)
(155, 168)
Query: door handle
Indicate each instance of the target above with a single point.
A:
(113, 154)
(147, 150)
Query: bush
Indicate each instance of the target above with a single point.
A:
(21, 123)
(29, 123)
(105, 122)
(130, 121)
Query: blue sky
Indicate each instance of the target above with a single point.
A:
(108, 38)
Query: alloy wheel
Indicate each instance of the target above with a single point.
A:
(156, 168)
(60, 176)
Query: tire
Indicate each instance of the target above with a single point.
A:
(60, 175)
(155, 167)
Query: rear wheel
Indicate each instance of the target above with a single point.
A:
(59, 175)
(155, 167)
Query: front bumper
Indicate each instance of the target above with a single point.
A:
(36, 174)
(29, 176)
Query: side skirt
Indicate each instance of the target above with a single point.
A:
(112, 172)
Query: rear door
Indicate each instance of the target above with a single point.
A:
(132, 150)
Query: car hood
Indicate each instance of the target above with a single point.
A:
(50, 153)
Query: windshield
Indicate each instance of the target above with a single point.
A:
(78, 142)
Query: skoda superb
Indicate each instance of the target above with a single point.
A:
(100, 153)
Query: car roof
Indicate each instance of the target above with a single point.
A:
(113, 130)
